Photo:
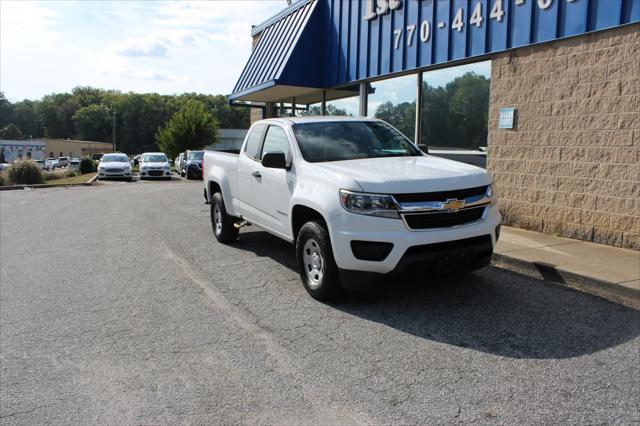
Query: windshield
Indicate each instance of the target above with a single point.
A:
(154, 158)
(196, 155)
(351, 140)
(114, 158)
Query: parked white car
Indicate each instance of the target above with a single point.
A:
(154, 165)
(50, 164)
(74, 164)
(63, 161)
(4, 166)
(356, 197)
(39, 164)
(114, 166)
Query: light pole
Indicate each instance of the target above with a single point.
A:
(113, 127)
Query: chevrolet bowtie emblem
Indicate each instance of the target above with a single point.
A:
(453, 205)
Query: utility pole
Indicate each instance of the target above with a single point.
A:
(114, 130)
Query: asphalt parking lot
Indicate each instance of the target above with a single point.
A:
(118, 306)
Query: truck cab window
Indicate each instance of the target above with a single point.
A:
(254, 140)
(276, 141)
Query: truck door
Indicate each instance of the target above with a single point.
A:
(272, 188)
(248, 162)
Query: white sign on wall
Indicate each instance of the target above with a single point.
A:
(506, 118)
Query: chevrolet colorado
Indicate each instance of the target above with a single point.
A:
(355, 196)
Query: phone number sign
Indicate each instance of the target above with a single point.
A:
(370, 38)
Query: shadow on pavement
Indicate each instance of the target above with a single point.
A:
(492, 310)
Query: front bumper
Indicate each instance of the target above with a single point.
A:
(114, 175)
(409, 247)
(155, 173)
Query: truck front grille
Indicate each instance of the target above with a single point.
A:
(459, 194)
(443, 219)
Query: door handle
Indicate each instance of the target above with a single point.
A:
(256, 175)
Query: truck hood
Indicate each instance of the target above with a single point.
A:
(398, 175)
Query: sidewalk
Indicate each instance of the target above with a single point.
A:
(609, 272)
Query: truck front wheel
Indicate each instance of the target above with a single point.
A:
(318, 269)
(221, 222)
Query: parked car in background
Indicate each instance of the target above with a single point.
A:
(356, 197)
(63, 161)
(39, 163)
(154, 165)
(4, 166)
(74, 164)
(193, 164)
(114, 166)
(50, 164)
(178, 163)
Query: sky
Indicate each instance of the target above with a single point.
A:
(165, 47)
(146, 46)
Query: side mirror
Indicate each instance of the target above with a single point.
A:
(274, 160)
(424, 148)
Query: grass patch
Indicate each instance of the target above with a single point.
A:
(71, 180)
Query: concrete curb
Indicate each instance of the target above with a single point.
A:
(550, 273)
(48, 185)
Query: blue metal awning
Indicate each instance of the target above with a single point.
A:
(280, 43)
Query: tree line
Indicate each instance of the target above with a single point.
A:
(455, 115)
(87, 113)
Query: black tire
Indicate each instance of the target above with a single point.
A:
(320, 277)
(222, 226)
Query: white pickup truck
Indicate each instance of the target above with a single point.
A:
(356, 197)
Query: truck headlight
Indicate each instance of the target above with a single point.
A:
(370, 204)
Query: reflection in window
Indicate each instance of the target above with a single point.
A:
(455, 106)
(345, 106)
(394, 101)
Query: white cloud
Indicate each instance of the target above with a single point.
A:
(153, 50)
(168, 47)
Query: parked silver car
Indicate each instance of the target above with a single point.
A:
(114, 166)
(155, 164)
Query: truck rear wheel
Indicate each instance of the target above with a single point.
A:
(318, 269)
(221, 222)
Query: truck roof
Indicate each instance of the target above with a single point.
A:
(315, 119)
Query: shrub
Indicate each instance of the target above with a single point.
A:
(52, 175)
(70, 173)
(24, 173)
(87, 166)
(2, 182)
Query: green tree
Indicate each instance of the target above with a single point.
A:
(469, 109)
(87, 95)
(11, 132)
(193, 127)
(6, 111)
(402, 116)
(93, 123)
(26, 118)
(331, 110)
(435, 116)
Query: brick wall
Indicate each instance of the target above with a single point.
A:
(571, 165)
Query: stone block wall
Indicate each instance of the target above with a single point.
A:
(571, 165)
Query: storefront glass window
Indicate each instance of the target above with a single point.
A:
(344, 106)
(394, 101)
(455, 106)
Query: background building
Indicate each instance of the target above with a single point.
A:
(550, 86)
(40, 149)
